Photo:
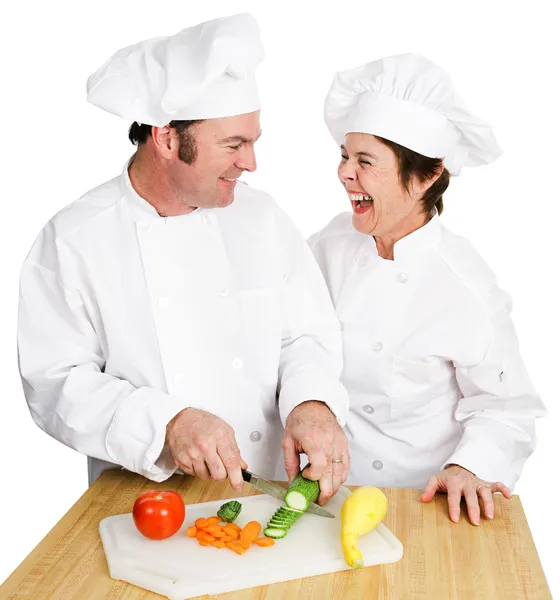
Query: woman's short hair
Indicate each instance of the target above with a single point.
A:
(411, 164)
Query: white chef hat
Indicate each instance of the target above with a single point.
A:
(411, 101)
(203, 72)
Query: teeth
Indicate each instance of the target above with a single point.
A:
(229, 178)
(359, 197)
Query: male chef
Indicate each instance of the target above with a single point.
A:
(174, 317)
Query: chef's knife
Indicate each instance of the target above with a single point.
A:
(278, 492)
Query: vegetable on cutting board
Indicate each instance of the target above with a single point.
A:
(361, 512)
(229, 511)
(301, 493)
(158, 514)
(210, 532)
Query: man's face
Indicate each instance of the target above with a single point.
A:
(224, 148)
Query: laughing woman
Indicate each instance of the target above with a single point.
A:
(440, 398)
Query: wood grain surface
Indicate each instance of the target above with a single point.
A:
(442, 560)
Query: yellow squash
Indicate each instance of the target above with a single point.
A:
(361, 512)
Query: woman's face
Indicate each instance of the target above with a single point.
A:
(369, 172)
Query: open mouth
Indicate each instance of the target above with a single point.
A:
(360, 202)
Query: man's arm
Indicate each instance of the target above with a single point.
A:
(69, 396)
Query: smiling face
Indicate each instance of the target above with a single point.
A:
(223, 149)
(370, 174)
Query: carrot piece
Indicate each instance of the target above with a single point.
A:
(213, 520)
(204, 543)
(239, 550)
(219, 544)
(201, 523)
(205, 537)
(216, 531)
(250, 532)
(233, 526)
(234, 535)
(230, 545)
(227, 539)
(245, 545)
(264, 541)
(192, 531)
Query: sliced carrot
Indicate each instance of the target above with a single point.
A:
(213, 520)
(201, 523)
(251, 532)
(233, 526)
(216, 531)
(205, 537)
(264, 541)
(240, 550)
(192, 531)
(204, 543)
(230, 545)
(245, 545)
(219, 544)
(227, 539)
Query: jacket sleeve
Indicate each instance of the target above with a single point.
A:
(311, 352)
(69, 396)
(499, 404)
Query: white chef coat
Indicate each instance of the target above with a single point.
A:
(431, 358)
(127, 317)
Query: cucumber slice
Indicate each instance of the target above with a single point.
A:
(275, 532)
(289, 513)
(276, 523)
(286, 514)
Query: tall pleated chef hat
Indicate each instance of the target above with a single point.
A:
(203, 72)
(409, 100)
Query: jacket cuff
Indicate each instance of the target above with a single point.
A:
(484, 459)
(306, 387)
(136, 436)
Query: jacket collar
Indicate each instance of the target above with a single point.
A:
(417, 242)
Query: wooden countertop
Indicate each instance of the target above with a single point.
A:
(442, 560)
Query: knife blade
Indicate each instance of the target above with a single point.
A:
(278, 492)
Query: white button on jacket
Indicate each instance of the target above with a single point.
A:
(109, 316)
(450, 385)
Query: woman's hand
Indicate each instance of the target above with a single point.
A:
(457, 482)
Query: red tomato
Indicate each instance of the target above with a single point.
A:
(158, 514)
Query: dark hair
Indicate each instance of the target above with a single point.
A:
(139, 133)
(412, 164)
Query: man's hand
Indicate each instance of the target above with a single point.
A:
(457, 482)
(312, 428)
(204, 445)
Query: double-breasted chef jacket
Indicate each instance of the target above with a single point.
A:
(431, 358)
(127, 317)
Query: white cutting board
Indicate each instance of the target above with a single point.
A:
(180, 568)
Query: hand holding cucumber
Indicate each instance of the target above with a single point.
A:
(204, 445)
(312, 428)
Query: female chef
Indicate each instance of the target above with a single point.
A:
(439, 396)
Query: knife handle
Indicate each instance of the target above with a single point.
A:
(246, 475)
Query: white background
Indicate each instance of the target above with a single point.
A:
(55, 147)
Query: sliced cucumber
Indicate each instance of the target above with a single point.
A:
(289, 513)
(276, 523)
(302, 492)
(286, 515)
(275, 532)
